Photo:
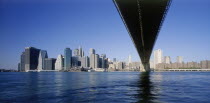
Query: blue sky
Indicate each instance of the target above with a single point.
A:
(53, 25)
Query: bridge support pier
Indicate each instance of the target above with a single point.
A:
(146, 67)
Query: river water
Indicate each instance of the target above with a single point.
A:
(105, 87)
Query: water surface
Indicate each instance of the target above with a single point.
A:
(105, 87)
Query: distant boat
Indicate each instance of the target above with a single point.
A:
(91, 70)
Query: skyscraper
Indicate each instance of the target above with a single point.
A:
(129, 59)
(31, 58)
(19, 69)
(75, 61)
(92, 51)
(81, 53)
(87, 61)
(167, 60)
(49, 63)
(42, 56)
(96, 61)
(59, 63)
(179, 59)
(84, 61)
(92, 58)
(67, 58)
(76, 52)
(22, 62)
(102, 61)
(158, 54)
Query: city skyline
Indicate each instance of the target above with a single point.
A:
(37, 24)
(34, 59)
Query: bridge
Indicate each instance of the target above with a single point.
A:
(143, 20)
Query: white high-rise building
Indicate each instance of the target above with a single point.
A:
(76, 52)
(179, 59)
(151, 64)
(84, 61)
(167, 60)
(92, 51)
(42, 56)
(129, 59)
(59, 63)
(92, 60)
(158, 54)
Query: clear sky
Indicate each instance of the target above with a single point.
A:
(53, 25)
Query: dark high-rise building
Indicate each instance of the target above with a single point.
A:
(31, 58)
(106, 63)
(22, 62)
(96, 61)
(75, 60)
(49, 64)
(19, 69)
(102, 61)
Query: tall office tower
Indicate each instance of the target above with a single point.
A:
(179, 59)
(31, 58)
(103, 55)
(96, 61)
(151, 64)
(114, 60)
(59, 63)
(22, 62)
(75, 61)
(49, 64)
(76, 52)
(102, 61)
(80, 51)
(92, 60)
(84, 61)
(106, 62)
(42, 56)
(92, 51)
(87, 61)
(83, 53)
(157, 57)
(129, 59)
(167, 60)
(67, 59)
(120, 65)
(19, 69)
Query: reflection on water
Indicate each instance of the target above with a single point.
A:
(145, 85)
(106, 87)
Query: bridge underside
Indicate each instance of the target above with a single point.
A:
(143, 20)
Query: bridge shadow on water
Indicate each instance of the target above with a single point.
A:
(147, 92)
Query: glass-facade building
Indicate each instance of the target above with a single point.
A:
(67, 58)
(31, 58)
